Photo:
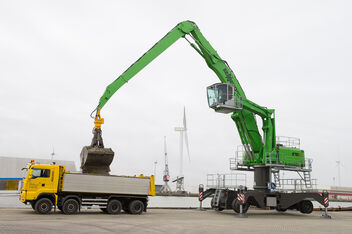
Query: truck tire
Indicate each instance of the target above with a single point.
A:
(70, 206)
(305, 207)
(43, 206)
(136, 207)
(236, 206)
(114, 207)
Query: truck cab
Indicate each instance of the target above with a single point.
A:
(41, 181)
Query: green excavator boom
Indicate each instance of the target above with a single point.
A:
(258, 147)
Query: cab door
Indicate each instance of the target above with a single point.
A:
(41, 181)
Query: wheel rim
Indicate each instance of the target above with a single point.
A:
(307, 207)
(44, 207)
(114, 207)
(71, 207)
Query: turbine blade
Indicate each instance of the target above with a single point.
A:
(187, 146)
(184, 118)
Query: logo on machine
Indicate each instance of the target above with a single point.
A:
(228, 76)
(230, 80)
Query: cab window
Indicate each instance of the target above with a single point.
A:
(40, 173)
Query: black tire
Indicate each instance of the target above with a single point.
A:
(71, 206)
(236, 206)
(114, 207)
(136, 207)
(306, 207)
(43, 206)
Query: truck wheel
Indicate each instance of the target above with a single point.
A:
(70, 206)
(43, 206)
(306, 207)
(236, 206)
(136, 207)
(114, 207)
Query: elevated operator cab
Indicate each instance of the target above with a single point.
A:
(221, 98)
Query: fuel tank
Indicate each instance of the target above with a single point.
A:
(95, 160)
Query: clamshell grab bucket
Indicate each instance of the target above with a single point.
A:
(95, 160)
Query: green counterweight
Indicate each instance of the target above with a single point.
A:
(258, 147)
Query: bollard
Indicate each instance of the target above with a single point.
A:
(200, 197)
(325, 196)
(241, 199)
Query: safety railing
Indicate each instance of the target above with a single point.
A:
(291, 142)
(272, 160)
(297, 185)
(232, 180)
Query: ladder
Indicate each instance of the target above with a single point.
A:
(217, 197)
(307, 179)
(276, 174)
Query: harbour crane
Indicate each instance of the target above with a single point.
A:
(261, 153)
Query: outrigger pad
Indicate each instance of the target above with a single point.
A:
(96, 160)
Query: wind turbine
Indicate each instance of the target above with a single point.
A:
(183, 135)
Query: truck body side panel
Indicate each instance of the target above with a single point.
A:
(100, 184)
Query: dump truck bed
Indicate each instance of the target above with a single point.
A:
(101, 184)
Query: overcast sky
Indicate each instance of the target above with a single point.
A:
(58, 57)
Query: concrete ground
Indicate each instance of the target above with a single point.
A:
(173, 221)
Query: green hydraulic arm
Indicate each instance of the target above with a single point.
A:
(244, 118)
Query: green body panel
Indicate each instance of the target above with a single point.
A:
(291, 156)
(283, 156)
(244, 118)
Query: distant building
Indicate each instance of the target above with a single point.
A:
(11, 170)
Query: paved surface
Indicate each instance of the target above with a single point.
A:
(173, 221)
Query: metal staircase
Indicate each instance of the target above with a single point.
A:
(276, 174)
(307, 179)
(217, 197)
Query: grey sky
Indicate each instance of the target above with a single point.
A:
(57, 58)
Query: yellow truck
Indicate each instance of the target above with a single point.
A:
(47, 186)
